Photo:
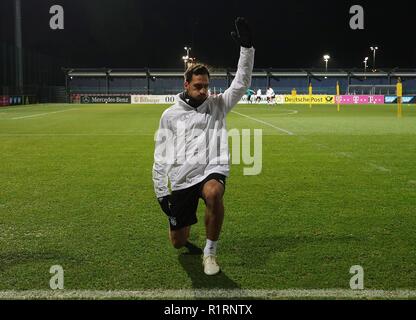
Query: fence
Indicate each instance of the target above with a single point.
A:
(44, 80)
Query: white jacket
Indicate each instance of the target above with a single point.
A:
(192, 143)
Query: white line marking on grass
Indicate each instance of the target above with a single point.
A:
(266, 123)
(208, 293)
(42, 114)
(290, 112)
(371, 164)
(379, 167)
(349, 155)
(72, 134)
(20, 107)
(344, 154)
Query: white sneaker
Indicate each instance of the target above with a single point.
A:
(211, 266)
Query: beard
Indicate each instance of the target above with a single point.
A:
(193, 102)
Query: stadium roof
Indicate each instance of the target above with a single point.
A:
(114, 72)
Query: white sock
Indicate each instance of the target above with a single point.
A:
(210, 248)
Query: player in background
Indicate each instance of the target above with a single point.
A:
(249, 94)
(193, 173)
(270, 95)
(258, 95)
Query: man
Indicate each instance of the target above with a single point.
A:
(270, 95)
(184, 129)
(249, 93)
(294, 93)
(258, 96)
(399, 94)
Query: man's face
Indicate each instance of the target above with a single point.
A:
(198, 87)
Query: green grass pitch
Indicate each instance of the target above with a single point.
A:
(76, 191)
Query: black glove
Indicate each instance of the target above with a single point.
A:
(242, 35)
(165, 204)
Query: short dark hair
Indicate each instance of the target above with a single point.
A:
(196, 69)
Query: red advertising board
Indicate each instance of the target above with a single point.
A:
(4, 101)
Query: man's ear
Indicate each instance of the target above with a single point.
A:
(186, 85)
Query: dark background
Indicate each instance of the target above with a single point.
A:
(152, 33)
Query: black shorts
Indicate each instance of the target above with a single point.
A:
(184, 203)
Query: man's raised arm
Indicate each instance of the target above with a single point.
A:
(242, 79)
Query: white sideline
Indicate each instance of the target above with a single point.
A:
(73, 134)
(264, 122)
(42, 114)
(208, 293)
(19, 107)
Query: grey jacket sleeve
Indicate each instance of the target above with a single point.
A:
(160, 165)
(242, 80)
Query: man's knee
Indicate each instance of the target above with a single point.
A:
(178, 238)
(213, 194)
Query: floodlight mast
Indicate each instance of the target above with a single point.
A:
(188, 49)
(365, 67)
(18, 45)
(374, 49)
(186, 59)
(326, 59)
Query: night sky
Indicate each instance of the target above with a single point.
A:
(152, 33)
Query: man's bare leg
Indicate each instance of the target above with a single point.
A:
(212, 193)
(179, 238)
